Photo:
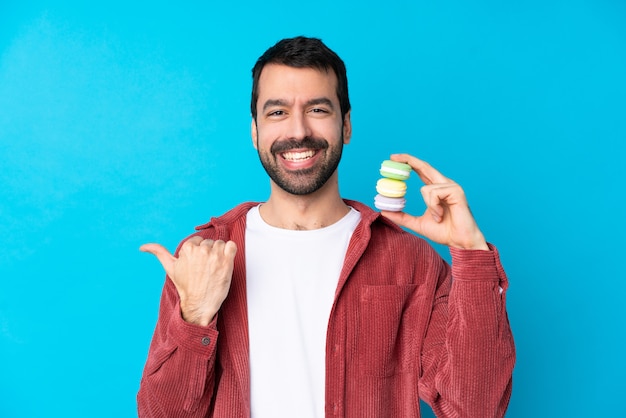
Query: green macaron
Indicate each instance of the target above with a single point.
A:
(395, 170)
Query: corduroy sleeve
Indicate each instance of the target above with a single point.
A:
(469, 354)
(178, 377)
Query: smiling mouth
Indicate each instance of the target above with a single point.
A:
(294, 156)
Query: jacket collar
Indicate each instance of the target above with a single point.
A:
(368, 215)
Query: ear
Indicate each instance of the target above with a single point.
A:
(347, 128)
(254, 133)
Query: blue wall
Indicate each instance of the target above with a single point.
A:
(119, 123)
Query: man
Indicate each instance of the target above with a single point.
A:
(308, 305)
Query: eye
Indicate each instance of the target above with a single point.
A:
(276, 113)
(320, 110)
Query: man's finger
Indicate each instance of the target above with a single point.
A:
(230, 249)
(162, 254)
(425, 171)
(208, 243)
(435, 197)
(414, 223)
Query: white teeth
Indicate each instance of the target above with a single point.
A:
(298, 156)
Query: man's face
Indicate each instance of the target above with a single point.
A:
(299, 132)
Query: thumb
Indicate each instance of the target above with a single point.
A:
(414, 223)
(162, 254)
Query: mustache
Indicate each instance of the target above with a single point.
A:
(306, 142)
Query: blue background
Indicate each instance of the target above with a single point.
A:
(120, 123)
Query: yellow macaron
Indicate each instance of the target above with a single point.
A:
(390, 187)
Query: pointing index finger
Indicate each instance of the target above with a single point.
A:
(425, 171)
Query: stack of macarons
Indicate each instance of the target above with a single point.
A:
(392, 187)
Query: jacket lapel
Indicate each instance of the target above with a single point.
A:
(234, 338)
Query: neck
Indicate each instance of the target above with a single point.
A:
(313, 211)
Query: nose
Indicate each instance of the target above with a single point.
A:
(299, 127)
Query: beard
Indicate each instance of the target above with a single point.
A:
(305, 181)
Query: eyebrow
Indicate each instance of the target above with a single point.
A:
(317, 101)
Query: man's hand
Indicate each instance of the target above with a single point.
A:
(202, 274)
(447, 219)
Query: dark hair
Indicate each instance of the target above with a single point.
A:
(302, 52)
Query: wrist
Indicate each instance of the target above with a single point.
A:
(477, 242)
(195, 315)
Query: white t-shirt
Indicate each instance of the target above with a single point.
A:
(291, 282)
